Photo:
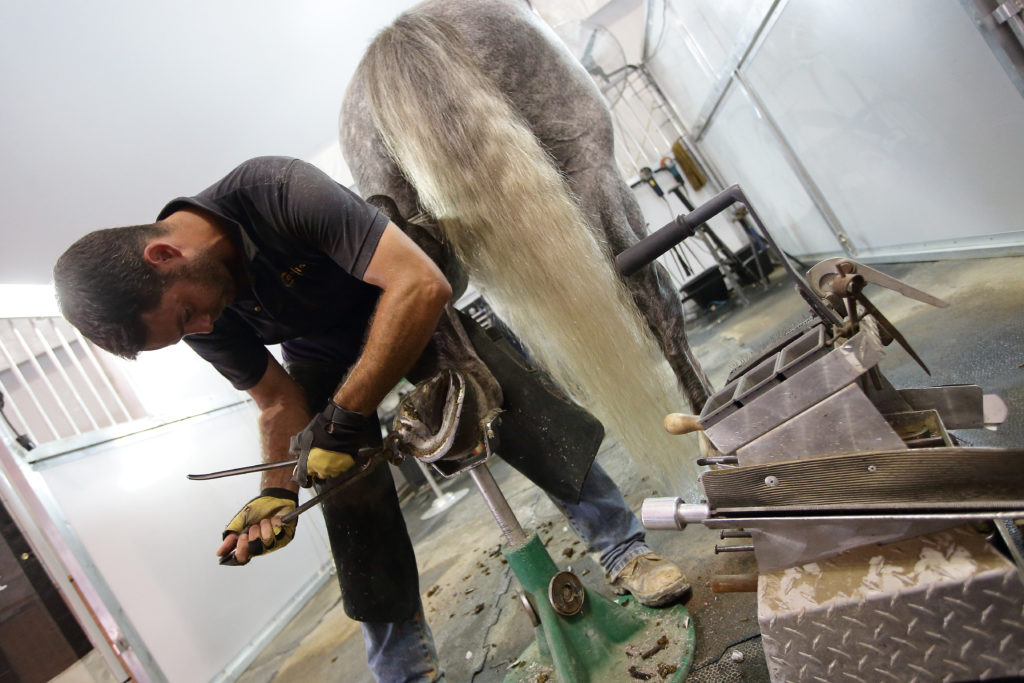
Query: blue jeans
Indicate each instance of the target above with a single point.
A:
(404, 652)
(603, 521)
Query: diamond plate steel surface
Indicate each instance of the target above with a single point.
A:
(941, 607)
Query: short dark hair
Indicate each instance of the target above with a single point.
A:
(104, 285)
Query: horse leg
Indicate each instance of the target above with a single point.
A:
(609, 204)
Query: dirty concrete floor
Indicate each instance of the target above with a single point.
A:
(469, 593)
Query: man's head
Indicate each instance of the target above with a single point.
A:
(140, 287)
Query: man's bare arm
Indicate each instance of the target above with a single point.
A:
(283, 413)
(414, 295)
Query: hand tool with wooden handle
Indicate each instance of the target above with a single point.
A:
(680, 423)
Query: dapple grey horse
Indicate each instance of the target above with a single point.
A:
(414, 129)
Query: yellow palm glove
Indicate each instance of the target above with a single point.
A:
(272, 502)
(325, 464)
(328, 445)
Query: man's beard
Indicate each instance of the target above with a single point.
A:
(212, 275)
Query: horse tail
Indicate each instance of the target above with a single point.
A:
(506, 211)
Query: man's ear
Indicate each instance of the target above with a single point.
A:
(161, 254)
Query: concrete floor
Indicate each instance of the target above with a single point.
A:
(469, 593)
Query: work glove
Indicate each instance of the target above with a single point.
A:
(272, 502)
(328, 445)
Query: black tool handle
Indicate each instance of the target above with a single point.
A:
(684, 225)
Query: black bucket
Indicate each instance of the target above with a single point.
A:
(752, 275)
(706, 289)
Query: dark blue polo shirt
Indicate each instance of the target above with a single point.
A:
(307, 242)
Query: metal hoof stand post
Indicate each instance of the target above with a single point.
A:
(858, 503)
(582, 636)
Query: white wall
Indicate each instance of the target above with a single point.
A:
(886, 128)
(128, 510)
(879, 129)
(112, 108)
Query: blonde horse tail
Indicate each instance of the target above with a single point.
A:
(507, 213)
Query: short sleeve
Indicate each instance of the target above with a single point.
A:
(234, 349)
(331, 218)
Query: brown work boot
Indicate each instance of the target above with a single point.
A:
(653, 581)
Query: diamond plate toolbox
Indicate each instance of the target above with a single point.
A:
(941, 607)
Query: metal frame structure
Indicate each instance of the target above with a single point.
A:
(1007, 18)
(84, 590)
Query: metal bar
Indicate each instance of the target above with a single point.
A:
(645, 127)
(620, 140)
(34, 362)
(277, 464)
(644, 123)
(669, 119)
(14, 407)
(627, 134)
(103, 374)
(63, 373)
(54, 451)
(1002, 50)
(714, 176)
(734, 533)
(31, 394)
(744, 48)
(638, 145)
(705, 119)
(645, 51)
(430, 479)
(1009, 13)
(733, 583)
(687, 38)
(1011, 535)
(85, 376)
(733, 549)
(756, 522)
(642, 92)
(498, 505)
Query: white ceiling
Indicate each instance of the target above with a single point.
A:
(108, 109)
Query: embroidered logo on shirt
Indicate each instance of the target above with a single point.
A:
(288, 276)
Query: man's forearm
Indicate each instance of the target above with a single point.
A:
(283, 413)
(402, 324)
(278, 423)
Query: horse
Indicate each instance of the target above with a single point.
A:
(477, 122)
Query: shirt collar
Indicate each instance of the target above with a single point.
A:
(248, 246)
